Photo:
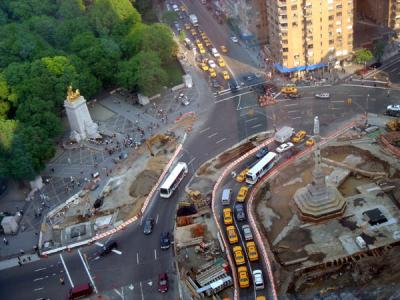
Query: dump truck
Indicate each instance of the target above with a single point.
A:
(284, 134)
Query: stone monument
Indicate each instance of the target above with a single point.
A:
(80, 121)
(317, 201)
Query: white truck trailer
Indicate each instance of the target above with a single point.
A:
(194, 20)
(284, 134)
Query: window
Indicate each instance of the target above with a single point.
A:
(285, 49)
(331, 17)
(331, 42)
(294, 7)
(310, 46)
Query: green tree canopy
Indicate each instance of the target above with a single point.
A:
(362, 56)
(143, 73)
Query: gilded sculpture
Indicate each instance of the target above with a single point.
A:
(71, 95)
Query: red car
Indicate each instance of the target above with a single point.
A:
(163, 283)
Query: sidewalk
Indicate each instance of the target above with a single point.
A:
(13, 262)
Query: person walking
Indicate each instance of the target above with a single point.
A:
(62, 281)
(5, 241)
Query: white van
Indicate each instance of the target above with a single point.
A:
(226, 196)
(258, 279)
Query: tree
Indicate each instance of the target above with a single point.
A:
(112, 17)
(25, 9)
(43, 26)
(169, 17)
(71, 9)
(362, 56)
(379, 49)
(143, 73)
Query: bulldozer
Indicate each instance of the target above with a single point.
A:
(162, 138)
(393, 125)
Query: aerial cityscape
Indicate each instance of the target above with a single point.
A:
(199, 149)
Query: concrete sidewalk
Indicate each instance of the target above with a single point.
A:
(23, 259)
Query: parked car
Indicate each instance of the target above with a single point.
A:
(258, 279)
(247, 232)
(284, 147)
(238, 255)
(241, 196)
(244, 281)
(252, 251)
(163, 283)
(108, 247)
(322, 95)
(239, 210)
(148, 226)
(262, 152)
(234, 39)
(165, 241)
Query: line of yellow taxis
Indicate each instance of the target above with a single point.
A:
(202, 42)
(233, 238)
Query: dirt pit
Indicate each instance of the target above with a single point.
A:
(143, 184)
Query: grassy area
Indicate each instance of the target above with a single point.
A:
(175, 72)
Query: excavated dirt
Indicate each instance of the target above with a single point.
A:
(143, 184)
(232, 154)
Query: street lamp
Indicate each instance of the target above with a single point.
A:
(366, 111)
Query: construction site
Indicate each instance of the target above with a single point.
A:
(348, 246)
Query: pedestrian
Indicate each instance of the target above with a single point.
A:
(22, 252)
(62, 281)
(20, 263)
(5, 241)
(29, 258)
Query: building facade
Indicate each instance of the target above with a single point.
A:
(308, 34)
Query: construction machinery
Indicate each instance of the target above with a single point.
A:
(393, 125)
(162, 138)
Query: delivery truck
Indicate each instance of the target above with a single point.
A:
(284, 134)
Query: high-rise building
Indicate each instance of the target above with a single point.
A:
(308, 34)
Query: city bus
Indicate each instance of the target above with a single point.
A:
(173, 180)
(260, 168)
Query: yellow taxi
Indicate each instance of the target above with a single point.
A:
(238, 255)
(203, 66)
(252, 251)
(208, 43)
(227, 213)
(289, 90)
(203, 34)
(242, 175)
(193, 32)
(244, 281)
(187, 26)
(232, 234)
(299, 136)
(241, 196)
(224, 49)
(213, 73)
(261, 298)
(221, 62)
(310, 142)
(226, 76)
(202, 50)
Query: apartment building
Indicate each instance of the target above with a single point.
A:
(308, 34)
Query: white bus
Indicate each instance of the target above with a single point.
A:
(260, 168)
(173, 180)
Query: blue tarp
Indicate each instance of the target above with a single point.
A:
(283, 69)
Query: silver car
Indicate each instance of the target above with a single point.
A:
(247, 232)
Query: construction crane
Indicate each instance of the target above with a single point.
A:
(163, 139)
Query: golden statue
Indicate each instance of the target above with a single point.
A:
(71, 95)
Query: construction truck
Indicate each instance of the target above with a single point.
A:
(393, 125)
(163, 139)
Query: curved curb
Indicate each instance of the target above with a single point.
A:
(261, 182)
(125, 223)
(225, 173)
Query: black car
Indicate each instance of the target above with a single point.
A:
(262, 152)
(108, 247)
(148, 226)
(165, 241)
(233, 85)
(214, 83)
(239, 210)
(375, 65)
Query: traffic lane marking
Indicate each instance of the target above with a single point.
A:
(87, 271)
(40, 269)
(237, 95)
(137, 257)
(293, 111)
(252, 119)
(220, 141)
(66, 270)
(212, 135)
(257, 125)
(37, 279)
(38, 289)
(292, 104)
(204, 130)
(117, 251)
(155, 254)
